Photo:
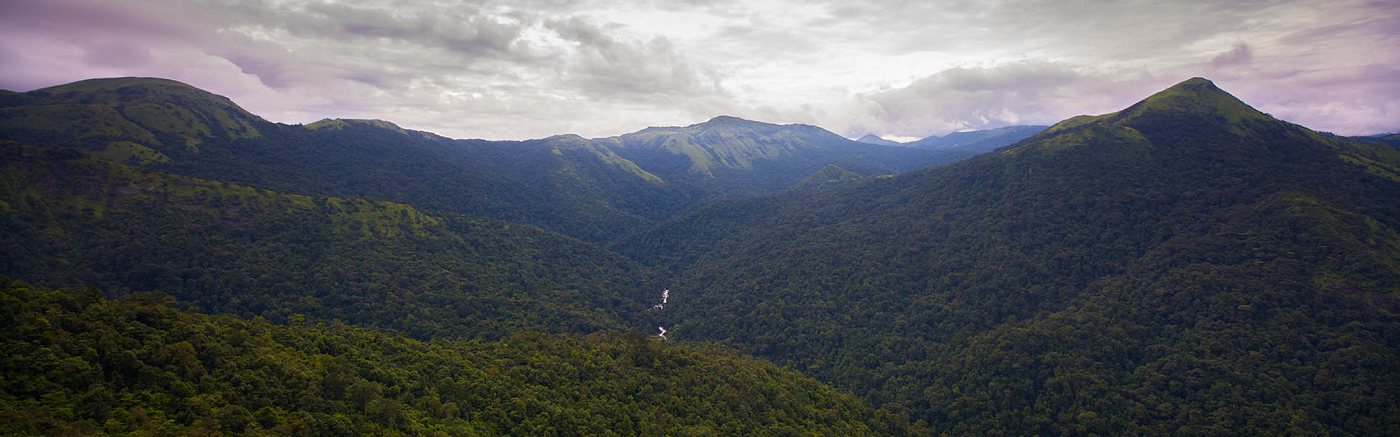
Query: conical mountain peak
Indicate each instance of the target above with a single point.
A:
(1197, 95)
(1196, 98)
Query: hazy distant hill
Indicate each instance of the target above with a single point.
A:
(1184, 266)
(1392, 140)
(979, 141)
(875, 139)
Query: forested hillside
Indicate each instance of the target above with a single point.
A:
(76, 364)
(1185, 266)
(227, 248)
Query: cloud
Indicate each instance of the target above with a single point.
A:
(1238, 55)
(1359, 100)
(1010, 94)
(608, 68)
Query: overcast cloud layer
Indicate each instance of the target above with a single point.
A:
(902, 69)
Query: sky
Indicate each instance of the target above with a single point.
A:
(902, 69)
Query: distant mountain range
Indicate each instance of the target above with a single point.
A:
(1392, 140)
(1185, 266)
(966, 143)
(979, 141)
(594, 189)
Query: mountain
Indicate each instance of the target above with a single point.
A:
(979, 141)
(875, 139)
(596, 190)
(146, 120)
(73, 221)
(77, 364)
(1185, 266)
(729, 156)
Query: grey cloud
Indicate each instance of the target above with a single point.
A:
(1240, 54)
(1122, 29)
(975, 98)
(609, 68)
(1357, 100)
(764, 40)
(465, 29)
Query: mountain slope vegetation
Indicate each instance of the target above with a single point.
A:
(1185, 266)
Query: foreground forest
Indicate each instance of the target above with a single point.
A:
(1186, 266)
(78, 364)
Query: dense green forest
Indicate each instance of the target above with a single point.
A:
(69, 220)
(1185, 266)
(76, 364)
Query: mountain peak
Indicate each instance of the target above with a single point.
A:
(876, 139)
(342, 123)
(120, 90)
(149, 115)
(114, 83)
(728, 119)
(1196, 95)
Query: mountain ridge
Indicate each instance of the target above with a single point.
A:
(596, 189)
